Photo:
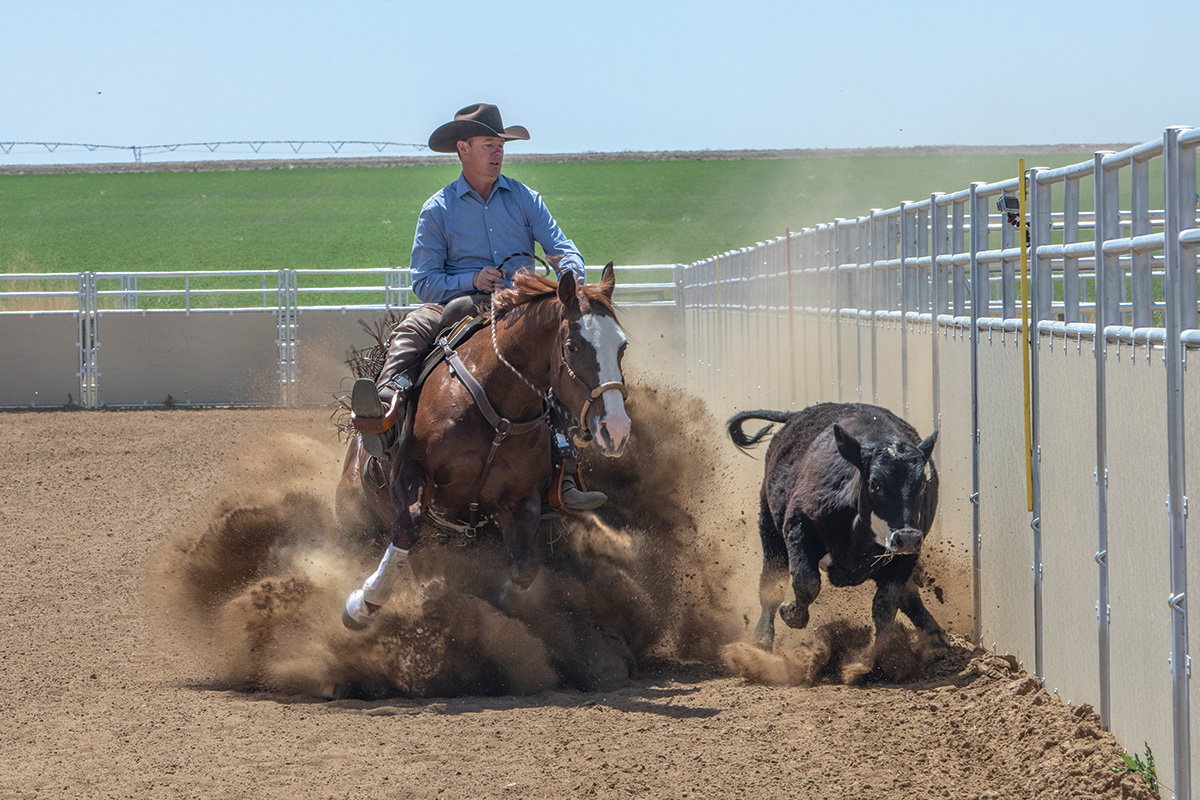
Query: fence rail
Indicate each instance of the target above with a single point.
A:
(138, 338)
(1074, 567)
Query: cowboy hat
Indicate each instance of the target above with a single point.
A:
(479, 119)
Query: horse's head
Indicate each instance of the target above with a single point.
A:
(586, 364)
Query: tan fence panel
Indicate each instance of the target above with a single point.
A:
(920, 378)
(324, 342)
(1006, 548)
(1139, 550)
(953, 456)
(1067, 370)
(39, 359)
(1191, 396)
(847, 370)
(218, 357)
(889, 366)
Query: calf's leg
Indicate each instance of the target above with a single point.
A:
(771, 582)
(806, 576)
(883, 606)
(914, 609)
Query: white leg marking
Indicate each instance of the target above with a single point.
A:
(378, 588)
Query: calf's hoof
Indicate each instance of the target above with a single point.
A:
(795, 615)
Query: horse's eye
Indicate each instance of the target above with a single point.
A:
(572, 347)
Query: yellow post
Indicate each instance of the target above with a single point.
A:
(1026, 350)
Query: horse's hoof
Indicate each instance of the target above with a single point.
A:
(794, 614)
(358, 613)
(351, 623)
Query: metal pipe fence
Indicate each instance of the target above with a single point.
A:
(93, 339)
(919, 308)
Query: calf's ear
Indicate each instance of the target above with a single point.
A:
(848, 446)
(926, 447)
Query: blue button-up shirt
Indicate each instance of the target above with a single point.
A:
(460, 233)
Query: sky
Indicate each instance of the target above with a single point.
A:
(590, 77)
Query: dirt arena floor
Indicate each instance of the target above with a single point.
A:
(171, 585)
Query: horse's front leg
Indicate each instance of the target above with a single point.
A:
(364, 603)
(519, 528)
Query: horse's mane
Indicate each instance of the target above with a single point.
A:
(528, 287)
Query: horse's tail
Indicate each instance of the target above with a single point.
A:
(739, 437)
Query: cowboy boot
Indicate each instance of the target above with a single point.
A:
(576, 499)
(573, 497)
(367, 405)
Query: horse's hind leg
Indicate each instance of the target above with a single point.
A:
(771, 584)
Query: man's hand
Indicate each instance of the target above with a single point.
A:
(488, 279)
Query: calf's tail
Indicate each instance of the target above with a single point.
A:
(739, 436)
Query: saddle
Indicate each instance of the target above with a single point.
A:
(460, 321)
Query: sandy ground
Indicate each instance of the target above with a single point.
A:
(170, 588)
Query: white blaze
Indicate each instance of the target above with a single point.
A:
(606, 338)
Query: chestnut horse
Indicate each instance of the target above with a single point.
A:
(475, 462)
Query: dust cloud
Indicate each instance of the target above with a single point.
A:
(665, 573)
(837, 652)
(255, 591)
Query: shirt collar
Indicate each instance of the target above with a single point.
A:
(461, 187)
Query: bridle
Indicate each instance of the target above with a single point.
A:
(584, 436)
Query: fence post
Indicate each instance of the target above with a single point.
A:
(1177, 197)
(1037, 222)
(979, 307)
(906, 290)
(877, 293)
(88, 318)
(1100, 348)
(939, 298)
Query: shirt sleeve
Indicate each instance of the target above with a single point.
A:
(553, 241)
(432, 283)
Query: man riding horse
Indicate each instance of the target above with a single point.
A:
(466, 236)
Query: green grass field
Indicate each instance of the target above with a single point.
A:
(630, 212)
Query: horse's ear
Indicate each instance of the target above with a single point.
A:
(566, 288)
(608, 280)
